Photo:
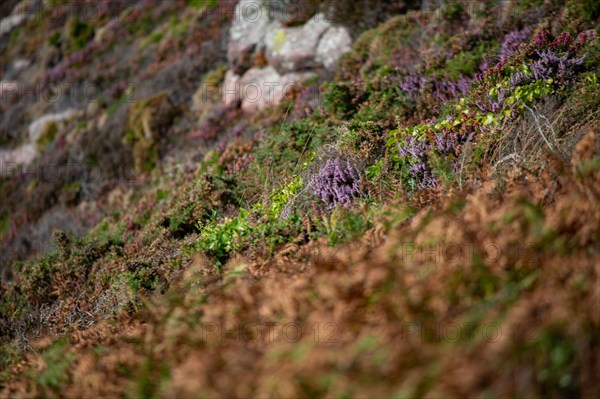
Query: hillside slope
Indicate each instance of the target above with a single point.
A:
(422, 222)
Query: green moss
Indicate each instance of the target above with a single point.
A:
(4, 223)
(148, 122)
(156, 37)
(144, 277)
(345, 224)
(279, 40)
(182, 221)
(79, 33)
(8, 354)
(453, 11)
(362, 139)
(591, 10)
(209, 92)
(553, 354)
(15, 35)
(338, 100)
(465, 63)
(55, 39)
(47, 137)
(282, 152)
(202, 5)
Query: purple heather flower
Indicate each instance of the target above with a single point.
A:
(518, 78)
(445, 90)
(412, 84)
(564, 68)
(540, 70)
(415, 151)
(338, 182)
(562, 41)
(512, 41)
(446, 143)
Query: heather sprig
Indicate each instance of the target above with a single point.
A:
(414, 151)
(416, 145)
(441, 89)
(512, 41)
(337, 182)
(563, 68)
(412, 84)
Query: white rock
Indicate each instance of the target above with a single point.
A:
(23, 155)
(231, 89)
(334, 43)
(247, 33)
(11, 22)
(264, 87)
(12, 159)
(39, 126)
(294, 49)
(21, 63)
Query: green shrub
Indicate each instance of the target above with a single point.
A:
(466, 63)
(149, 121)
(220, 240)
(362, 139)
(55, 39)
(58, 361)
(342, 225)
(79, 33)
(4, 223)
(338, 100)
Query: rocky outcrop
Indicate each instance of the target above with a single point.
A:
(14, 13)
(247, 34)
(295, 49)
(261, 88)
(23, 155)
(11, 22)
(333, 44)
(41, 125)
(267, 58)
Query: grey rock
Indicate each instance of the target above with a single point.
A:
(295, 49)
(261, 88)
(247, 33)
(231, 90)
(11, 22)
(39, 126)
(334, 43)
(23, 155)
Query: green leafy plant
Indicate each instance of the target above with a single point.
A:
(219, 240)
(58, 361)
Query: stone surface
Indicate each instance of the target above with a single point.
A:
(247, 33)
(7, 88)
(334, 43)
(23, 155)
(39, 126)
(291, 54)
(295, 49)
(12, 158)
(261, 88)
(11, 22)
(230, 91)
